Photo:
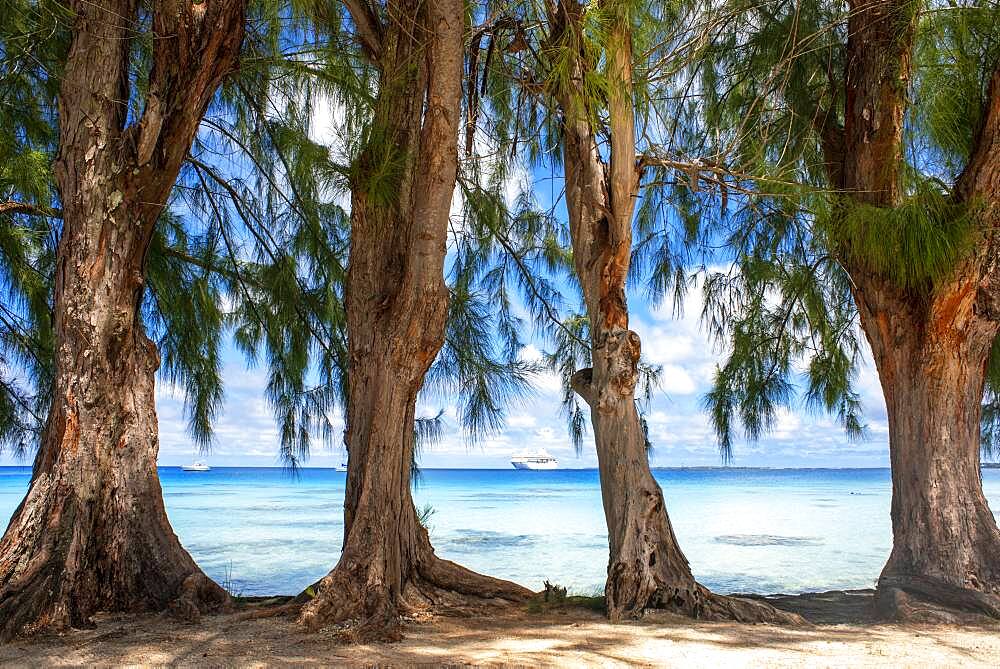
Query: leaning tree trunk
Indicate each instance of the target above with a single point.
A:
(931, 357)
(92, 533)
(646, 567)
(396, 307)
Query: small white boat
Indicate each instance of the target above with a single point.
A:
(198, 466)
(534, 460)
(342, 467)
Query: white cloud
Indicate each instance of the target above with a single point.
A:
(676, 381)
(521, 420)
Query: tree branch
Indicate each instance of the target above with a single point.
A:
(195, 46)
(981, 176)
(582, 384)
(369, 28)
(12, 208)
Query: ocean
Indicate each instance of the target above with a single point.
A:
(263, 531)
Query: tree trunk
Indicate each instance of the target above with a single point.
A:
(931, 360)
(396, 307)
(388, 567)
(92, 533)
(646, 567)
(930, 342)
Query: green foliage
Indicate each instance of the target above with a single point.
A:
(185, 318)
(770, 88)
(916, 244)
(956, 50)
(26, 261)
(470, 368)
(378, 170)
(427, 432)
(990, 424)
(425, 514)
(32, 43)
(790, 327)
(571, 352)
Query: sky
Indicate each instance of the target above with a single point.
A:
(246, 433)
(680, 430)
(682, 436)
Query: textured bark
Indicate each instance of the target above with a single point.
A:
(396, 305)
(646, 567)
(930, 343)
(930, 358)
(92, 534)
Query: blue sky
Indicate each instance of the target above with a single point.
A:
(679, 428)
(246, 433)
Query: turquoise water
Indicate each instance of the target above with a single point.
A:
(743, 530)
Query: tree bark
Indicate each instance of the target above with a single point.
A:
(92, 533)
(931, 360)
(396, 307)
(646, 567)
(930, 342)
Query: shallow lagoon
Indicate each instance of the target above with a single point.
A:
(263, 531)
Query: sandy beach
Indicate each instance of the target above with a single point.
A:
(563, 636)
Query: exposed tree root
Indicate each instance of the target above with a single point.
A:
(368, 609)
(198, 595)
(38, 605)
(710, 606)
(689, 598)
(926, 600)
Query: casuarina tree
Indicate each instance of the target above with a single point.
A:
(401, 184)
(583, 74)
(91, 533)
(876, 124)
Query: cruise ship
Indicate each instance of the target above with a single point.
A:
(534, 460)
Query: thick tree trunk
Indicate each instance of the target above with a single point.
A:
(92, 533)
(396, 306)
(931, 359)
(930, 341)
(388, 567)
(646, 567)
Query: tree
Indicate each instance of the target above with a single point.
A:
(91, 533)
(576, 100)
(401, 186)
(879, 208)
(252, 241)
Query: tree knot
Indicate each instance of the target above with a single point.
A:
(582, 383)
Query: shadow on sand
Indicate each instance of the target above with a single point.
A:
(842, 633)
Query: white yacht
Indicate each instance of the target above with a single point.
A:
(533, 460)
(198, 466)
(342, 467)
